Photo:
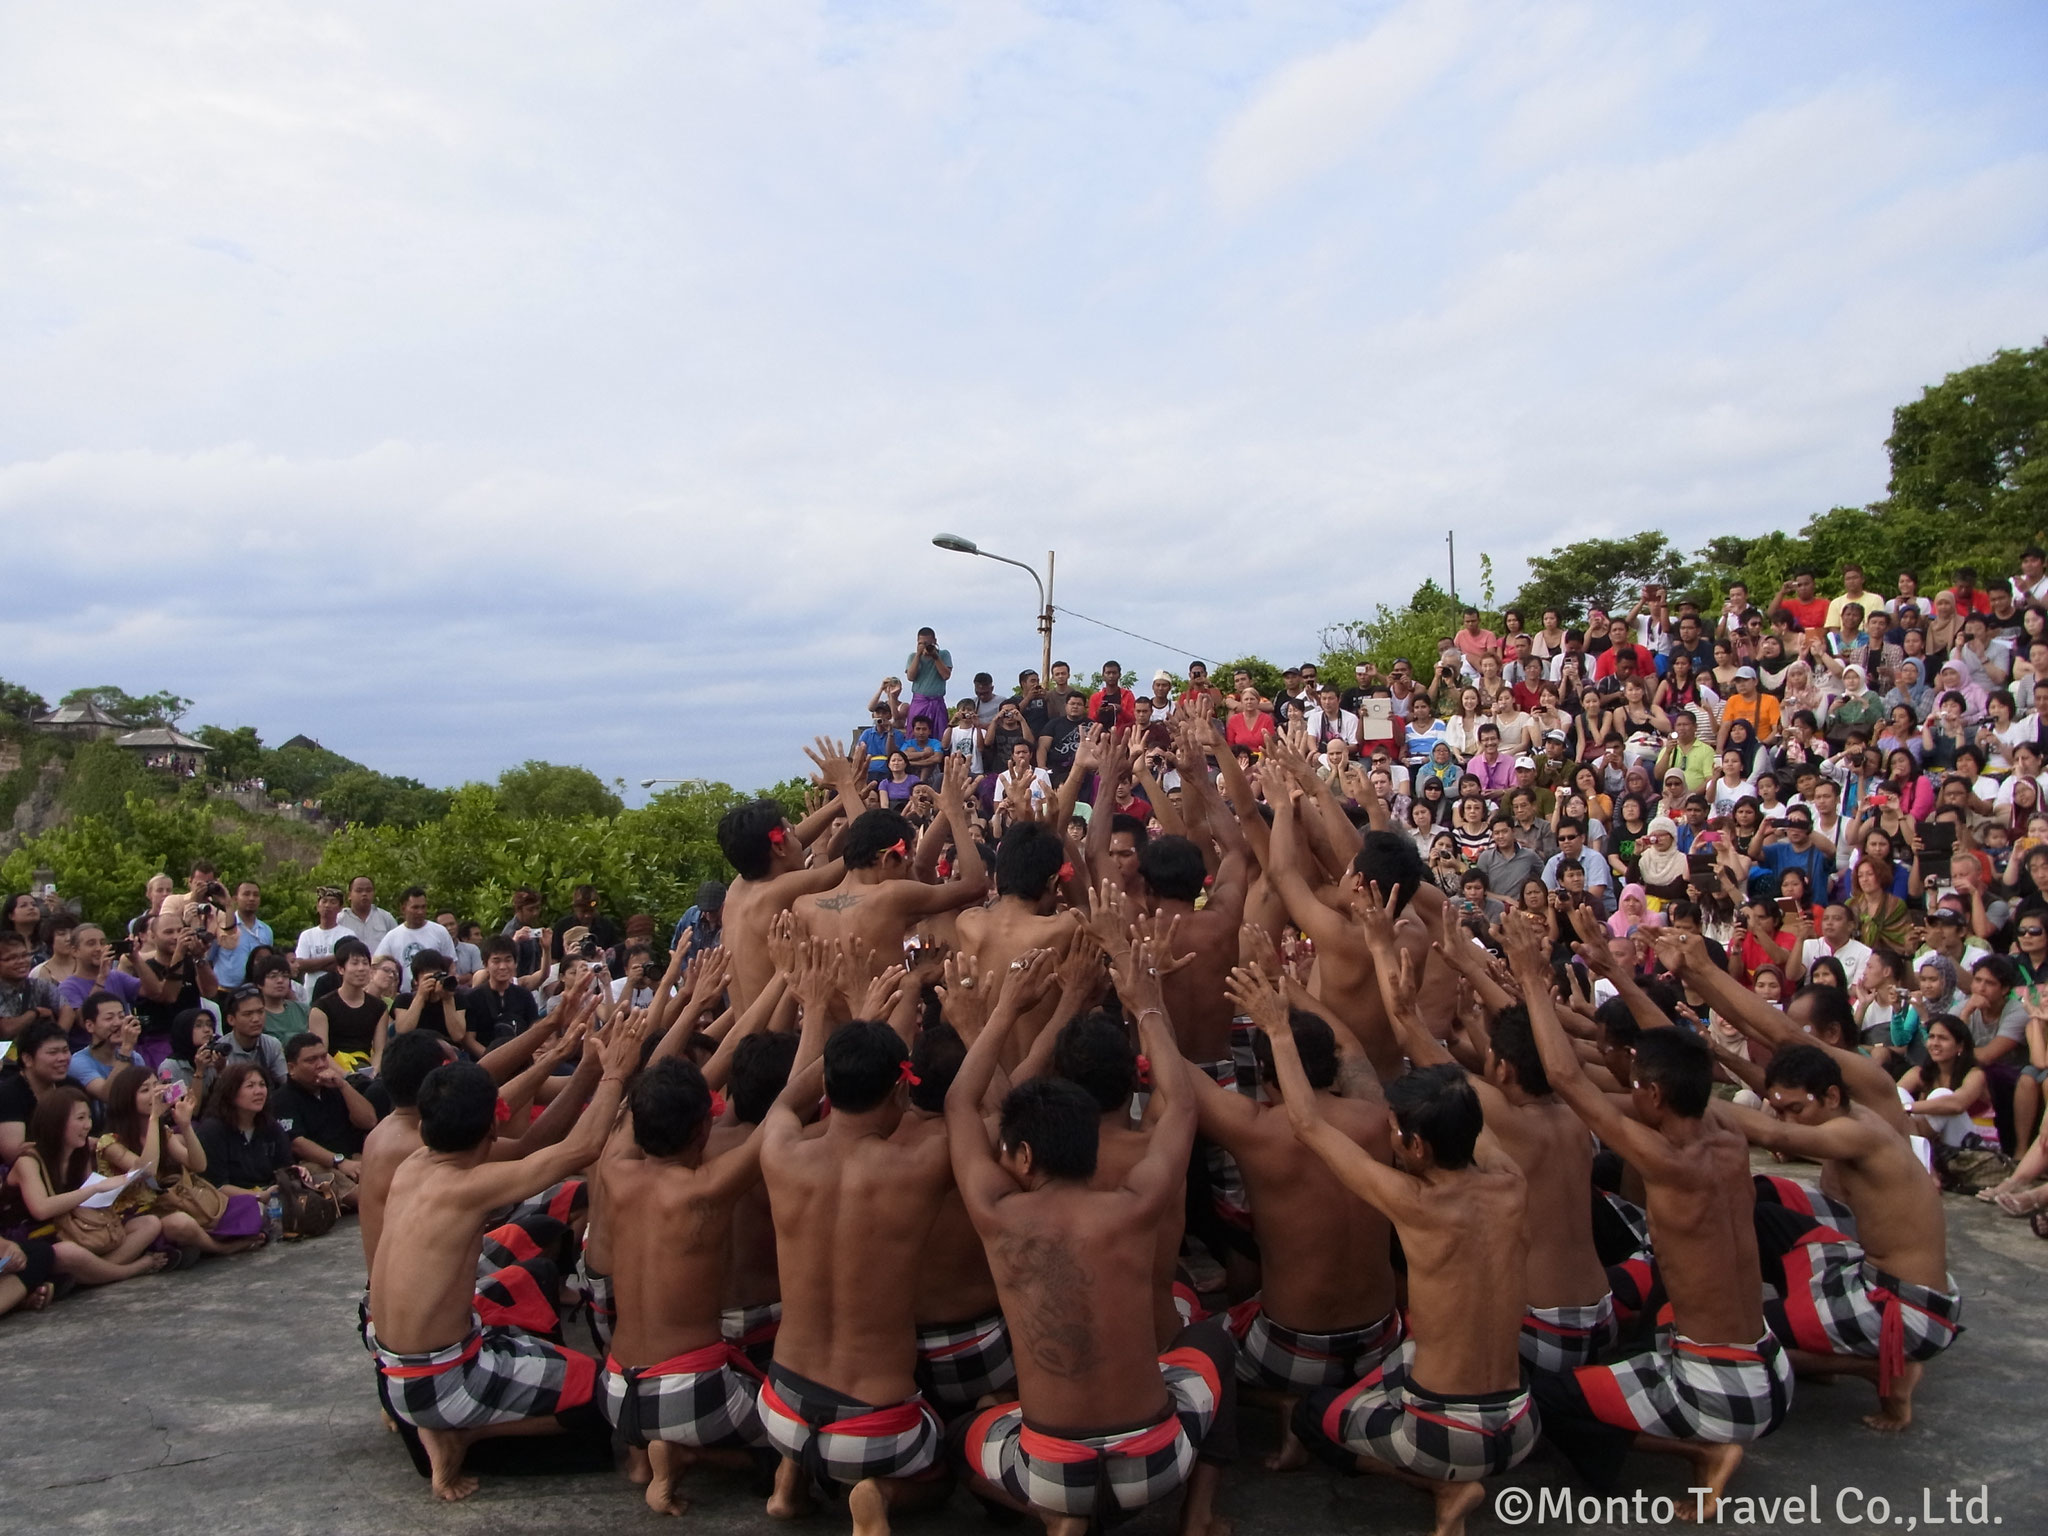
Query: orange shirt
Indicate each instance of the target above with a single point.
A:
(1761, 712)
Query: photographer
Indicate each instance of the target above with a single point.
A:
(432, 1006)
(637, 985)
(415, 935)
(173, 977)
(928, 669)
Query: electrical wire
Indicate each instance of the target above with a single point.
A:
(1100, 624)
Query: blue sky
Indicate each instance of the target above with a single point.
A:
(485, 382)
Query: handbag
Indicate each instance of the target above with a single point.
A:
(98, 1232)
(193, 1196)
(1977, 1164)
(310, 1210)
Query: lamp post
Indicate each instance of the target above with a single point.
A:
(961, 546)
(650, 783)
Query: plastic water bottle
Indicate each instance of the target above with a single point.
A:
(273, 1218)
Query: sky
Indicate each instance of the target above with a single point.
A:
(471, 383)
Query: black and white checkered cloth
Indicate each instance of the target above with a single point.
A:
(1284, 1359)
(1389, 1418)
(1560, 1339)
(961, 1363)
(493, 1376)
(1724, 1394)
(838, 1440)
(705, 1398)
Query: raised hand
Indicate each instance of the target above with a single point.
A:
(1109, 919)
(953, 782)
(1255, 947)
(1376, 921)
(813, 980)
(1256, 996)
(713, 976)
(783, 932)
(1029, 977)
(883, 993)
(966, 994)
(622, 1042)
(1081, 975)
(1527, 946)
(1139, 972)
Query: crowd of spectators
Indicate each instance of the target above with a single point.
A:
(1840, 787)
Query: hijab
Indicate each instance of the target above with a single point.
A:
(1660, 867)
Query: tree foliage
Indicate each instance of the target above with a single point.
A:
(1391, 634)
(237, 754)
(20, 703)
(1600, 573)
(535, 789)
(136, 709)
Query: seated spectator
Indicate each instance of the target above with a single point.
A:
(111, 1033)
(497, 1007)
(324, 1115)
(1951, 1100)
(243, 1143)
(245, 1039)
(43, 1052)
(283, 1014)
(136, 1137)
(99, 970)
(349, 1016)
(23, 999)
(52, 1176)
(433, 1005)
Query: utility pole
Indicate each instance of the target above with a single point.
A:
(1452, 540)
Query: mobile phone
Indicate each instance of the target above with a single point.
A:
(1787, 904)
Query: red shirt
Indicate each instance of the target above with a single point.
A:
(1126, 708)
(1646, 664)
(1979, 601)
(1812, 613)
(1239, 732)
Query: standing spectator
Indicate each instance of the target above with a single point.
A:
(98, 971)
(1472, 641)
(468, 958)
(362, 916)
(1799, 597)
(583, 913)
(526, 929)
(928, 670)
(703, 925)
(415, 934)
(1060, 744)
(312, 960)
(1112, 703)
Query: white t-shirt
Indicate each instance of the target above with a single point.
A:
(402, 943)
(962, 741)
(1041, 786)
(318, 943)
(1726, 794)
(1852, 955)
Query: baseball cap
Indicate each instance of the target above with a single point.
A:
(1555, 736)
(1745, 671)
(1525, 761)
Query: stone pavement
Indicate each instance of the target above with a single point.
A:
(235, 1398)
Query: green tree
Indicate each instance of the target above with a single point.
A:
(1392, 634)
(1601, 573)
(19, 703)
(300, 773)
(1265, 674)
(142, 709)
(237, 754)
(378, 800)
(549, 789)
(1969, 447)
(102, 776)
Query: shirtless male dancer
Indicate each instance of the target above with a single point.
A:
(752, 1291)
(772, 860)
(853, 1210)
(1879, 1305)
(879, 900)
(1570, 1315)
(453, 1379)
(1325, 1312)
(671, 1382)
(1716, 1378)
(1032, 871)
(1447, 1407)
(1105, 1423)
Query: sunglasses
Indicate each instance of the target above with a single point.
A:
(2032, 933)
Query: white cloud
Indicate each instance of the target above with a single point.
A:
(488, 383)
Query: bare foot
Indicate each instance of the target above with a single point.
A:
(1895, 1412)
(869, 1507)
(1292, 1452)
(1064, 1525)
(390, 1424)
(1712, 1465)
(445, 1450)
(663, 1465)
(1454, 1501)
(637, 1469)
(1198, 1506)
(40, 1297)
(791, 1499)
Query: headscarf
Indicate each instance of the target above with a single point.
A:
(1909, 687)
(1746, 745)
(1631, 913)
(1855, 681)
(1661, 867)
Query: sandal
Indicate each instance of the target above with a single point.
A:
(2021, 1204)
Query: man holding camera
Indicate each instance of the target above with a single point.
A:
(928, 669)
(432, 1005)
(173, 976)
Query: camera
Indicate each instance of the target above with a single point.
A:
(204, 911)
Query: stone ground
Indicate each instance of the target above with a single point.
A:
(235, 1398)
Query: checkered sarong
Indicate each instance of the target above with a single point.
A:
(521, 1296)
(528, 1236)
(1839, 1303)
(958, 1364)
(1559, 1339)
(1113, 1474)
(704, 1398)
(1388, 1417)
(1244, 1055)
(599, 1300)
(752, 1329)
(1807, 1200)
(1724, 1394)
(493, 1376)
(558, 1202)
(1285, 1359)
(1227, 1194)
(838, 1440)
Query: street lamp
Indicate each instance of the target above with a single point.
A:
(961, 546)
(650, 783)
